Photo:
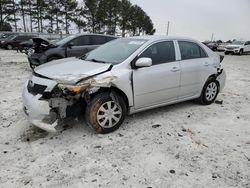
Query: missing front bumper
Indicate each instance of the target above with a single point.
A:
(45, 126)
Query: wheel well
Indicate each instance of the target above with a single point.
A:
(214, 76)
(115, 90)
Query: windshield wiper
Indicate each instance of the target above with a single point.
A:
(95, 60)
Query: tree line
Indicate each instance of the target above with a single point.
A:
(57, 16)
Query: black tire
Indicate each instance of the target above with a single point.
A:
(53, 58)
(226, 53)
(241, 52)
(94, 112)
(9, 47)
(208, 97)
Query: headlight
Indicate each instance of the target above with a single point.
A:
(74, 88)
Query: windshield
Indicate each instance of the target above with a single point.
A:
(239, 42)
(64, 40)
(114, 52)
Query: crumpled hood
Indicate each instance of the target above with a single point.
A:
(71, 70)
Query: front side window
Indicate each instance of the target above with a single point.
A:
(161, 52)
(190, 50)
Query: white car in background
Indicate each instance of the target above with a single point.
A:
(238, 47)
(222, 47)
(120, 78)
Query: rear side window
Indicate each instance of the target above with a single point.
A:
(190, 50)
(162, 52)
(81, 41)
(20, 38)
(98, 40)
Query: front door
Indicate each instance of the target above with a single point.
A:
(159, 83)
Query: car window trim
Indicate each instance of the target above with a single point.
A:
(163, 40)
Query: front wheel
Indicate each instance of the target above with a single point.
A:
(209, 92)
(241, 52)
(9, 47)
(106, 112)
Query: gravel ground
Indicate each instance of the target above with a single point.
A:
(182, 145)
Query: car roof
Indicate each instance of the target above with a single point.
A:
(94, 34)
(159, 37)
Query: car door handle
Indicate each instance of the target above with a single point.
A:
(206, 64)
(175, 69)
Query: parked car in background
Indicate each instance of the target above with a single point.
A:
(5, 39)
(14, 41)
(222, 47)
(212, 45)
(124, 76)
(238, 47)
(72, 46)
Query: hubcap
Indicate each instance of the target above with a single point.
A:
(211, 91)
(109, 114)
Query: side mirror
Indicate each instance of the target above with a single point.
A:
(143, 62)
(70, 45)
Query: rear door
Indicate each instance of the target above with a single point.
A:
(159, 83)
(80, 46)
(195, 68)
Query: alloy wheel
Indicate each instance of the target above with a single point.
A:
(211, 91)
(109, 114)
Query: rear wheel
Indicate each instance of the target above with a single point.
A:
(105, 113)
(209, 92)
(226, 53)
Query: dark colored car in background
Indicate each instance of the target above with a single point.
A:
(5, 36)
(71, 46)
(212, 45)
(14, 41)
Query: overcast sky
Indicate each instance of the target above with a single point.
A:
(227, 19)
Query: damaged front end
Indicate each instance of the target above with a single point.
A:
(48, 101)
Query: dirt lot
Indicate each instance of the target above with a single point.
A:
(182, 145)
